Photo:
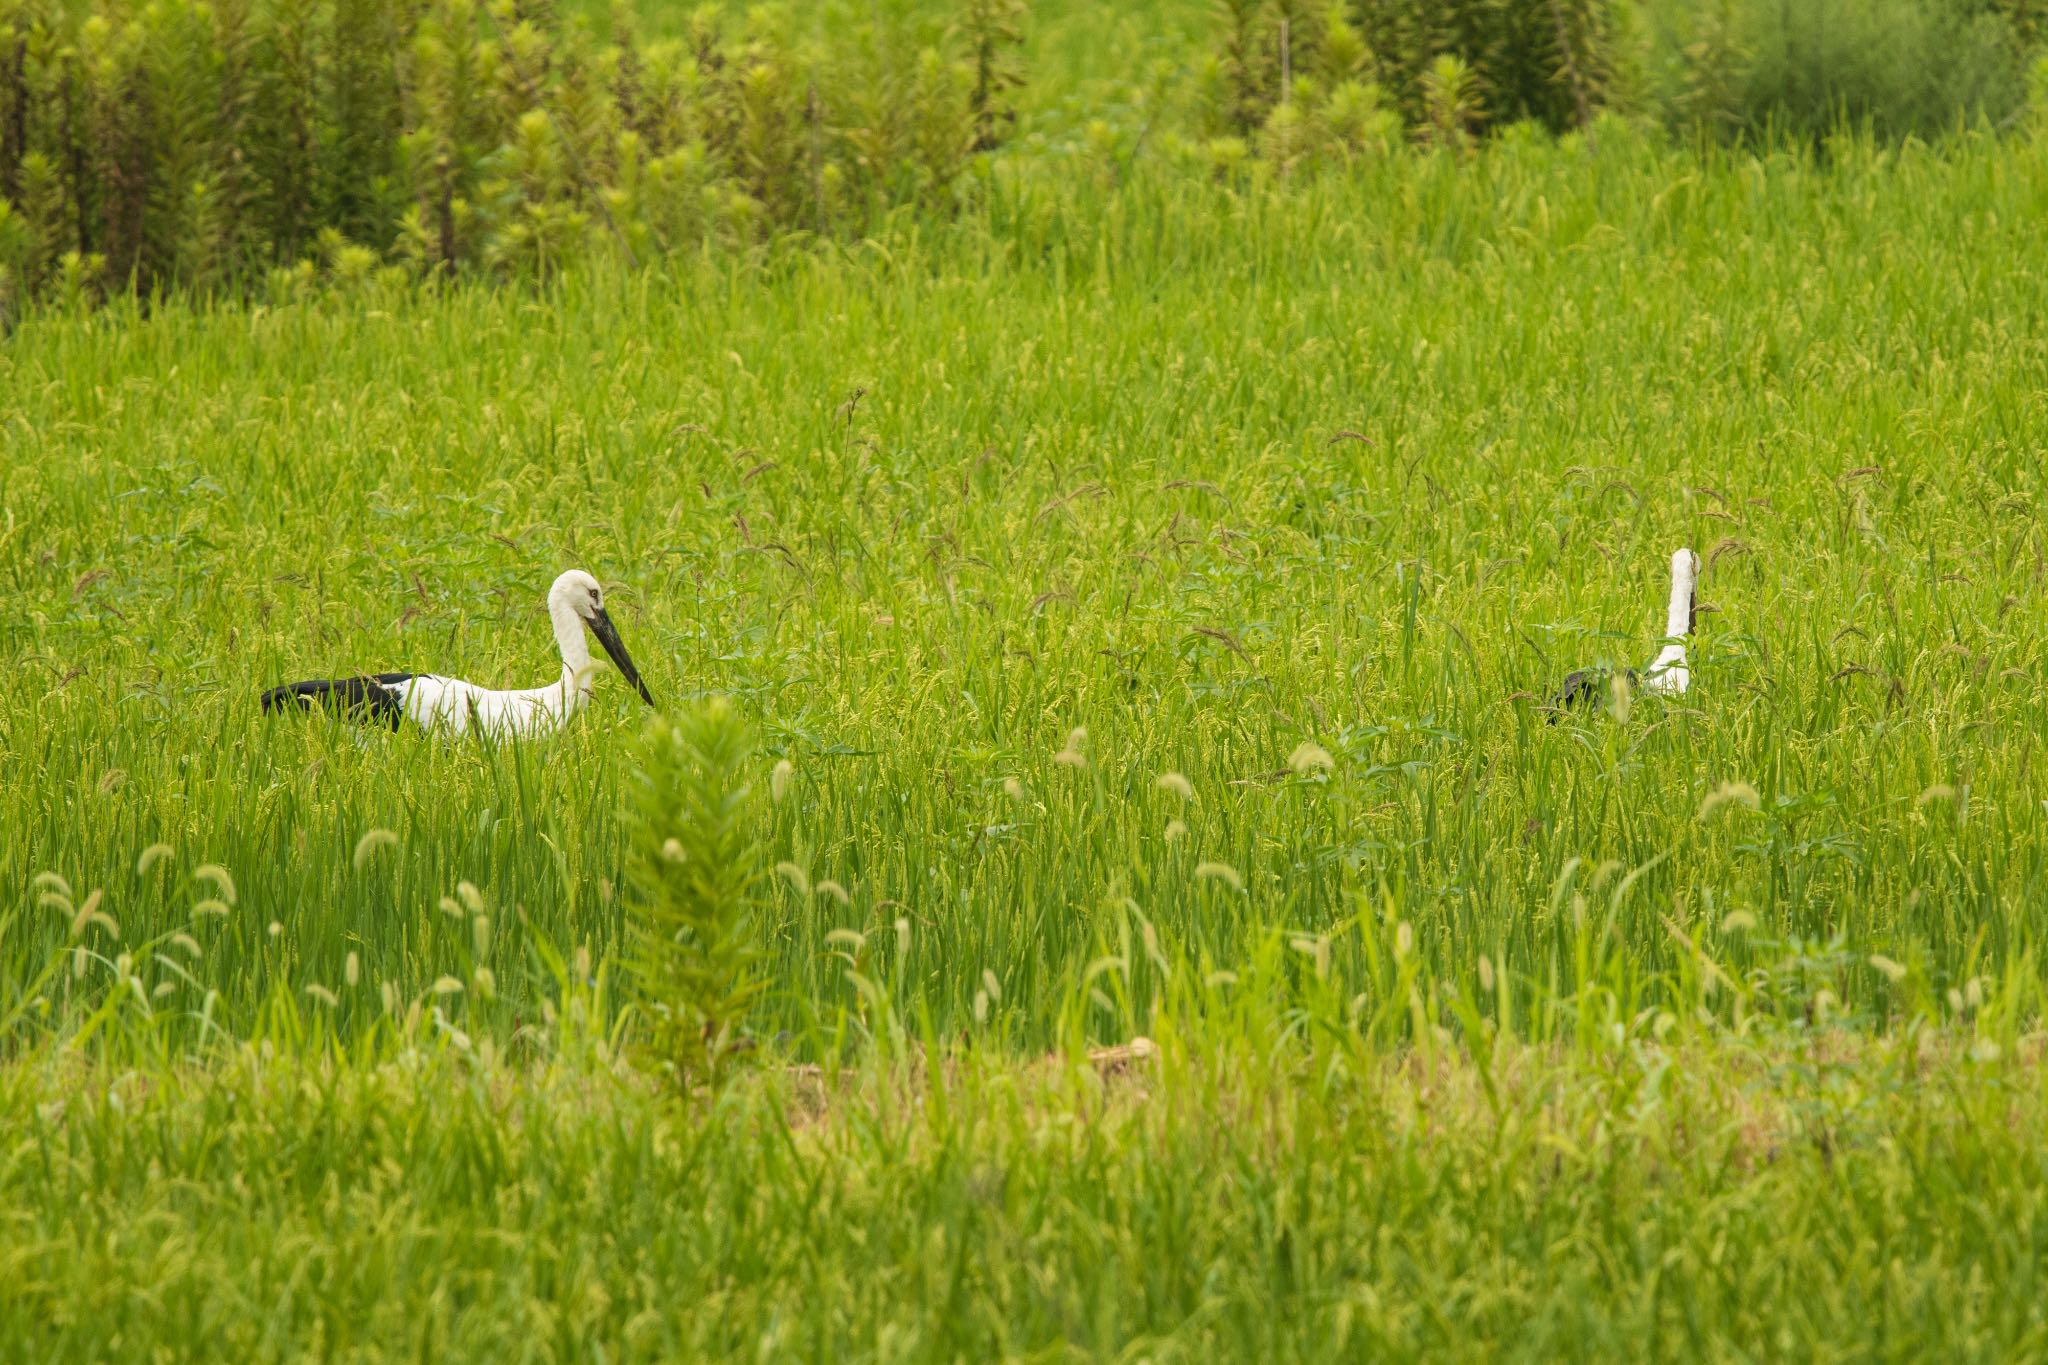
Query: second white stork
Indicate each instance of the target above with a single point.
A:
(452, 706)
(1669, 674)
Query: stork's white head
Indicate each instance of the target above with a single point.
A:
(578, 592)
(576, 596)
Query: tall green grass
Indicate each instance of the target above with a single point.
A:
(1239, 1198)
(927, 505)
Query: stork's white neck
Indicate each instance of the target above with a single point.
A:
(575, 647)
(1678, 617)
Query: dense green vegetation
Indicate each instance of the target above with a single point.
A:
(1119, 598)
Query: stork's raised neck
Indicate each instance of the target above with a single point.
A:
(1669, 671)
(572, 600)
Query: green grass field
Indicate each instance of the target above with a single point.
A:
(1709, 1028)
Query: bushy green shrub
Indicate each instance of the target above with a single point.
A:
(204, 144)
(1761, 69)
(693, 877)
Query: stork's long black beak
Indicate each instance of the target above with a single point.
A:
(608, 635)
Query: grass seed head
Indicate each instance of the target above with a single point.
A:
(835, 891)
(1309, 757)
(84, 914)
(1222, 872)
(1176, 829)
(779, 780)
(480, 934)
(151, 856)
(1178, 785)
(223, 883)
(1013, 789)
(352, 970)
(1893, 972)
(1739, 793)
(1485, 973)
(472, 898)
(447, 985)
(367, 846)
(322, 994)
(1071, 755)
(276, 929)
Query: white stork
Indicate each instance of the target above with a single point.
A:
(1668, 674)
(452, 706)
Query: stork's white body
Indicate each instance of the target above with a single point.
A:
(450, 706)
(454, 706)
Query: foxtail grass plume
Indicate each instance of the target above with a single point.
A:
(1222, 872)
(1176, 829)
(1892, 971)
(223, 883)
(1178, 785)
(1737, 793)
(1737, 922)
(1620, 695)
(835, 891)
(447, 985)
(323, 995)
(1309, 757)
(352, 970)
(372, 840)
(151, 856)
(798, 879)
(779, 780)
(1071, 755)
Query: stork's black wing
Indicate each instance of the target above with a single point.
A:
(375, 699)
(1585, 687)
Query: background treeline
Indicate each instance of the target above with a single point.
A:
(1288, 79)
(214, 143)
(253, 146)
